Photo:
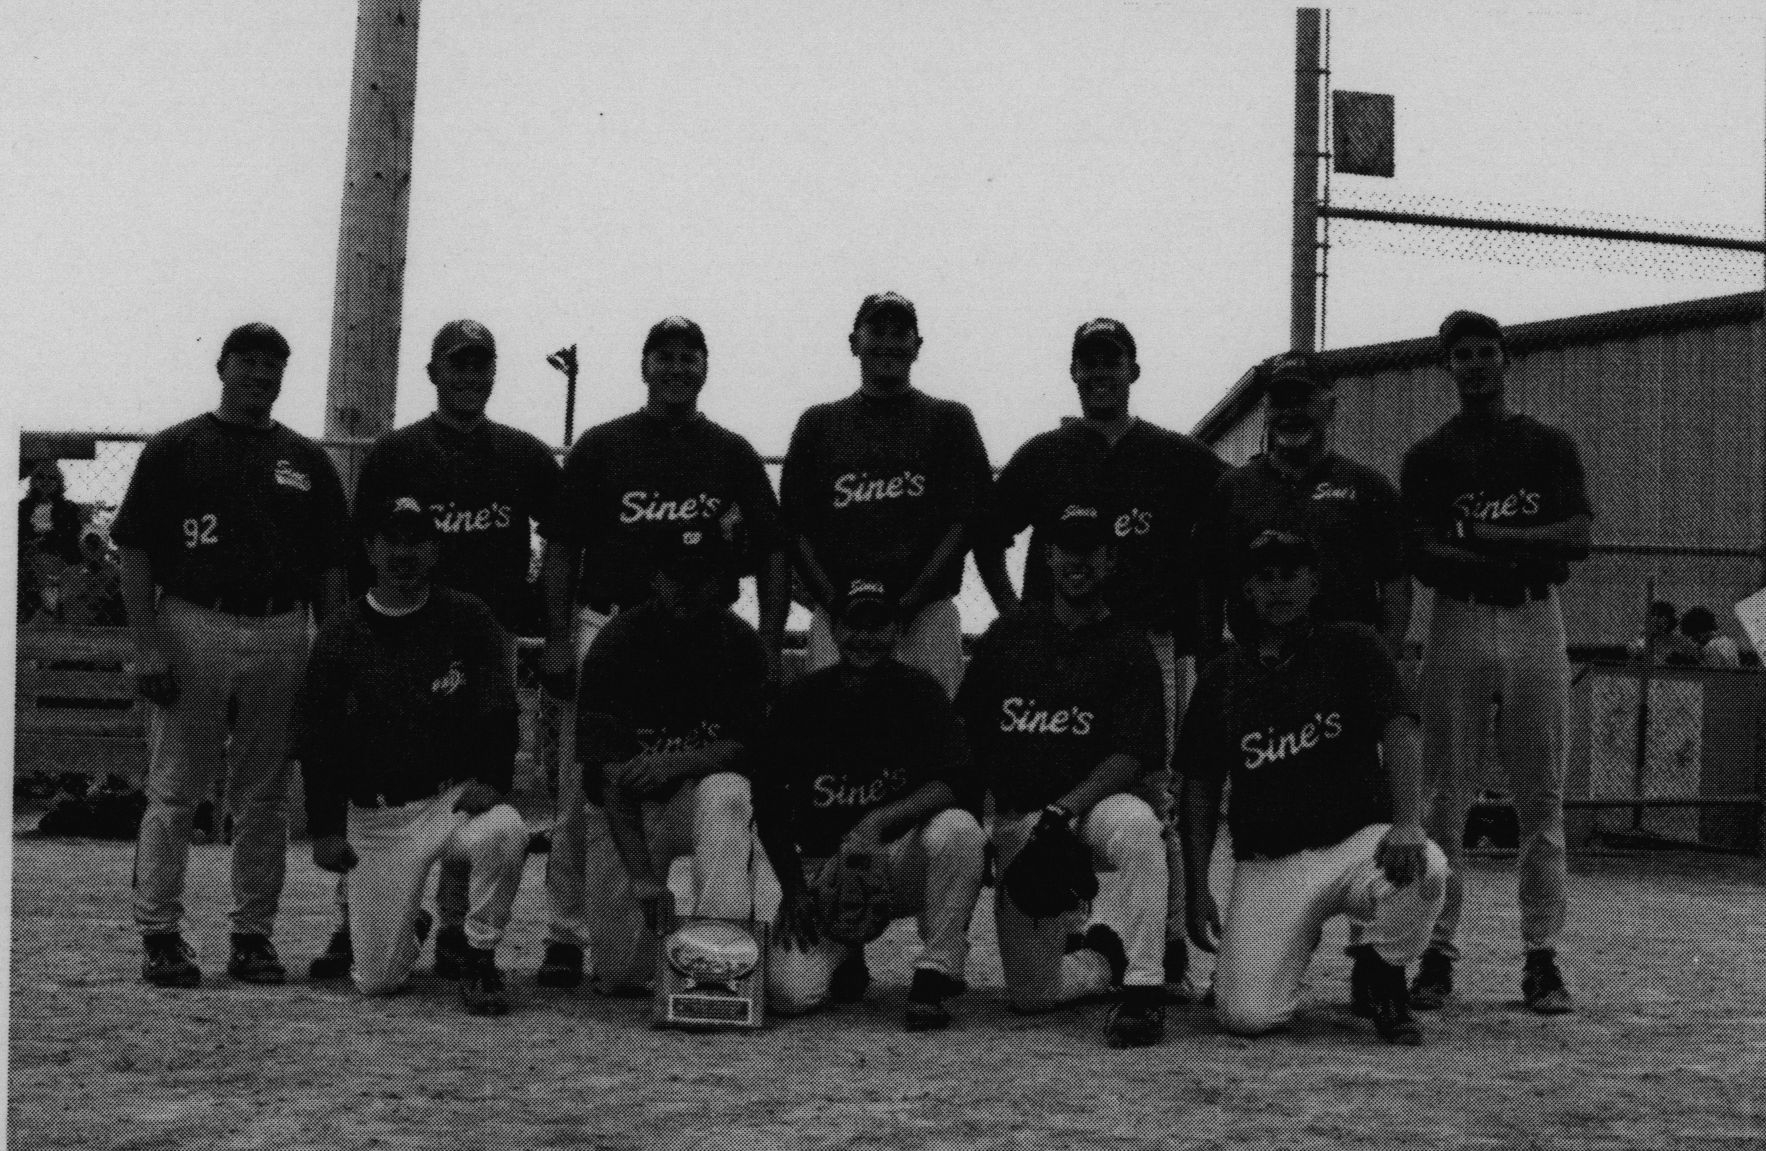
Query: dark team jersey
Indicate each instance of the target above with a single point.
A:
(1300, 742)
(875, 484)
(838, 748)
(631, 479)
(653, 683)
(1516, 472)
(394, 707)
(484, 487)
(1158, 481)
(228, 511)
(1043, 704)
(1348, 511)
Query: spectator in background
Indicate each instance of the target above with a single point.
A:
(48, 537)
(1699, 626)
(1660, 642)
(90, 593)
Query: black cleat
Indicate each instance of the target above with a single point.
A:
(481, 983)
(1137, 1018)
(334, 962)
(1433, 985)
(168, 961)
(1542, 984)
(851, 979)
(450, 950)
(562, 967)
(926, 995)
(1381, 986)
(254, 960)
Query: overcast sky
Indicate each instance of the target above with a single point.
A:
(175, 168)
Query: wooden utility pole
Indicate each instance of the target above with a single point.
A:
(367, 310)
(1303, 304)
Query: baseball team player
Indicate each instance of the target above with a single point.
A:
(1298, 484)
(861, 758)
(1064, 714)
(487, 484)
(1312, 723)
(885, 484)
(1160, 480)
(406, 730)
(232, 529)
(1497, 510)
(671, 709)
(657, 472)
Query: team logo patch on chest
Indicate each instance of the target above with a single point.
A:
(1020, 716)
(450, 681)
(1272, 746)
(291, 477)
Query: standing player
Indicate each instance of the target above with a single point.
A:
(1298, 484)
(1064, 713)
(660, 471)
(487, 484)
(884, 484)
(1315, 729)
(864, 758)
(231, 530)
(1161, 479)
(1497, 511)
(672, 702)
(406, 731)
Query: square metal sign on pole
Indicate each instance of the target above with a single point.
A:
(1362, 133)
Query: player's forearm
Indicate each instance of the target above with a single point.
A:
(773, 586)
(1395, 613)
(815, 579)
(893, 819)
(1401, 748)
(948, 548)
(1199, 800)
(332, 589)
(625, 823)
(1566, 539)
(1115, 774)
(990, 562)
(137, 579)
(694, 762)
(557, 576)
(772, 827)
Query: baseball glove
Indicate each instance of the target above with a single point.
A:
(854, 903)
(1052, 873)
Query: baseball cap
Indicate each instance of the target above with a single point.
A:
(686, 551)
(405, 516)
(1104, 330)
(457, 334)
(254, 337)
(884, 303)
(866, 604)
(1293, 375)
(678, 328)
(1279, 549)
(1080, 526)
(1463, 323)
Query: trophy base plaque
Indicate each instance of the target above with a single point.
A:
(711, 975)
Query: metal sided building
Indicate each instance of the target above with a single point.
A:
(1668, 405)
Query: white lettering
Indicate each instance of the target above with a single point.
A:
(649, 507)
(862, 487)
(1329, 491)
(1021, 716)
(1266, 747)
(1485, 507)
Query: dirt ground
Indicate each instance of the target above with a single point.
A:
(1667, 1050)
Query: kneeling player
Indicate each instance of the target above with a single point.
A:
(1300, 716)
(1064, 707)
(861, 761)
(405, 728)
(671, 705)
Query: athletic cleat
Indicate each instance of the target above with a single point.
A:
(1433, 985)
(481, 983)
(1381, 985)
(450, 951)
(1361, 983)
(851, 979)
(334, 962)
(1542, 984)
(168, 961)
(254, 960)
(562, 966)
(926, 995)
(1137, 1018)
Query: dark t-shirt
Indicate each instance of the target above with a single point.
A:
(1301, 742)
(1043, 704)
(227, 510)
(632, 478)
(396, 706)
(1159, 482)
(1516, 472)
(484, 487)
(875, 484)
(837, 750)
(1348, 511)
(653, 683)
